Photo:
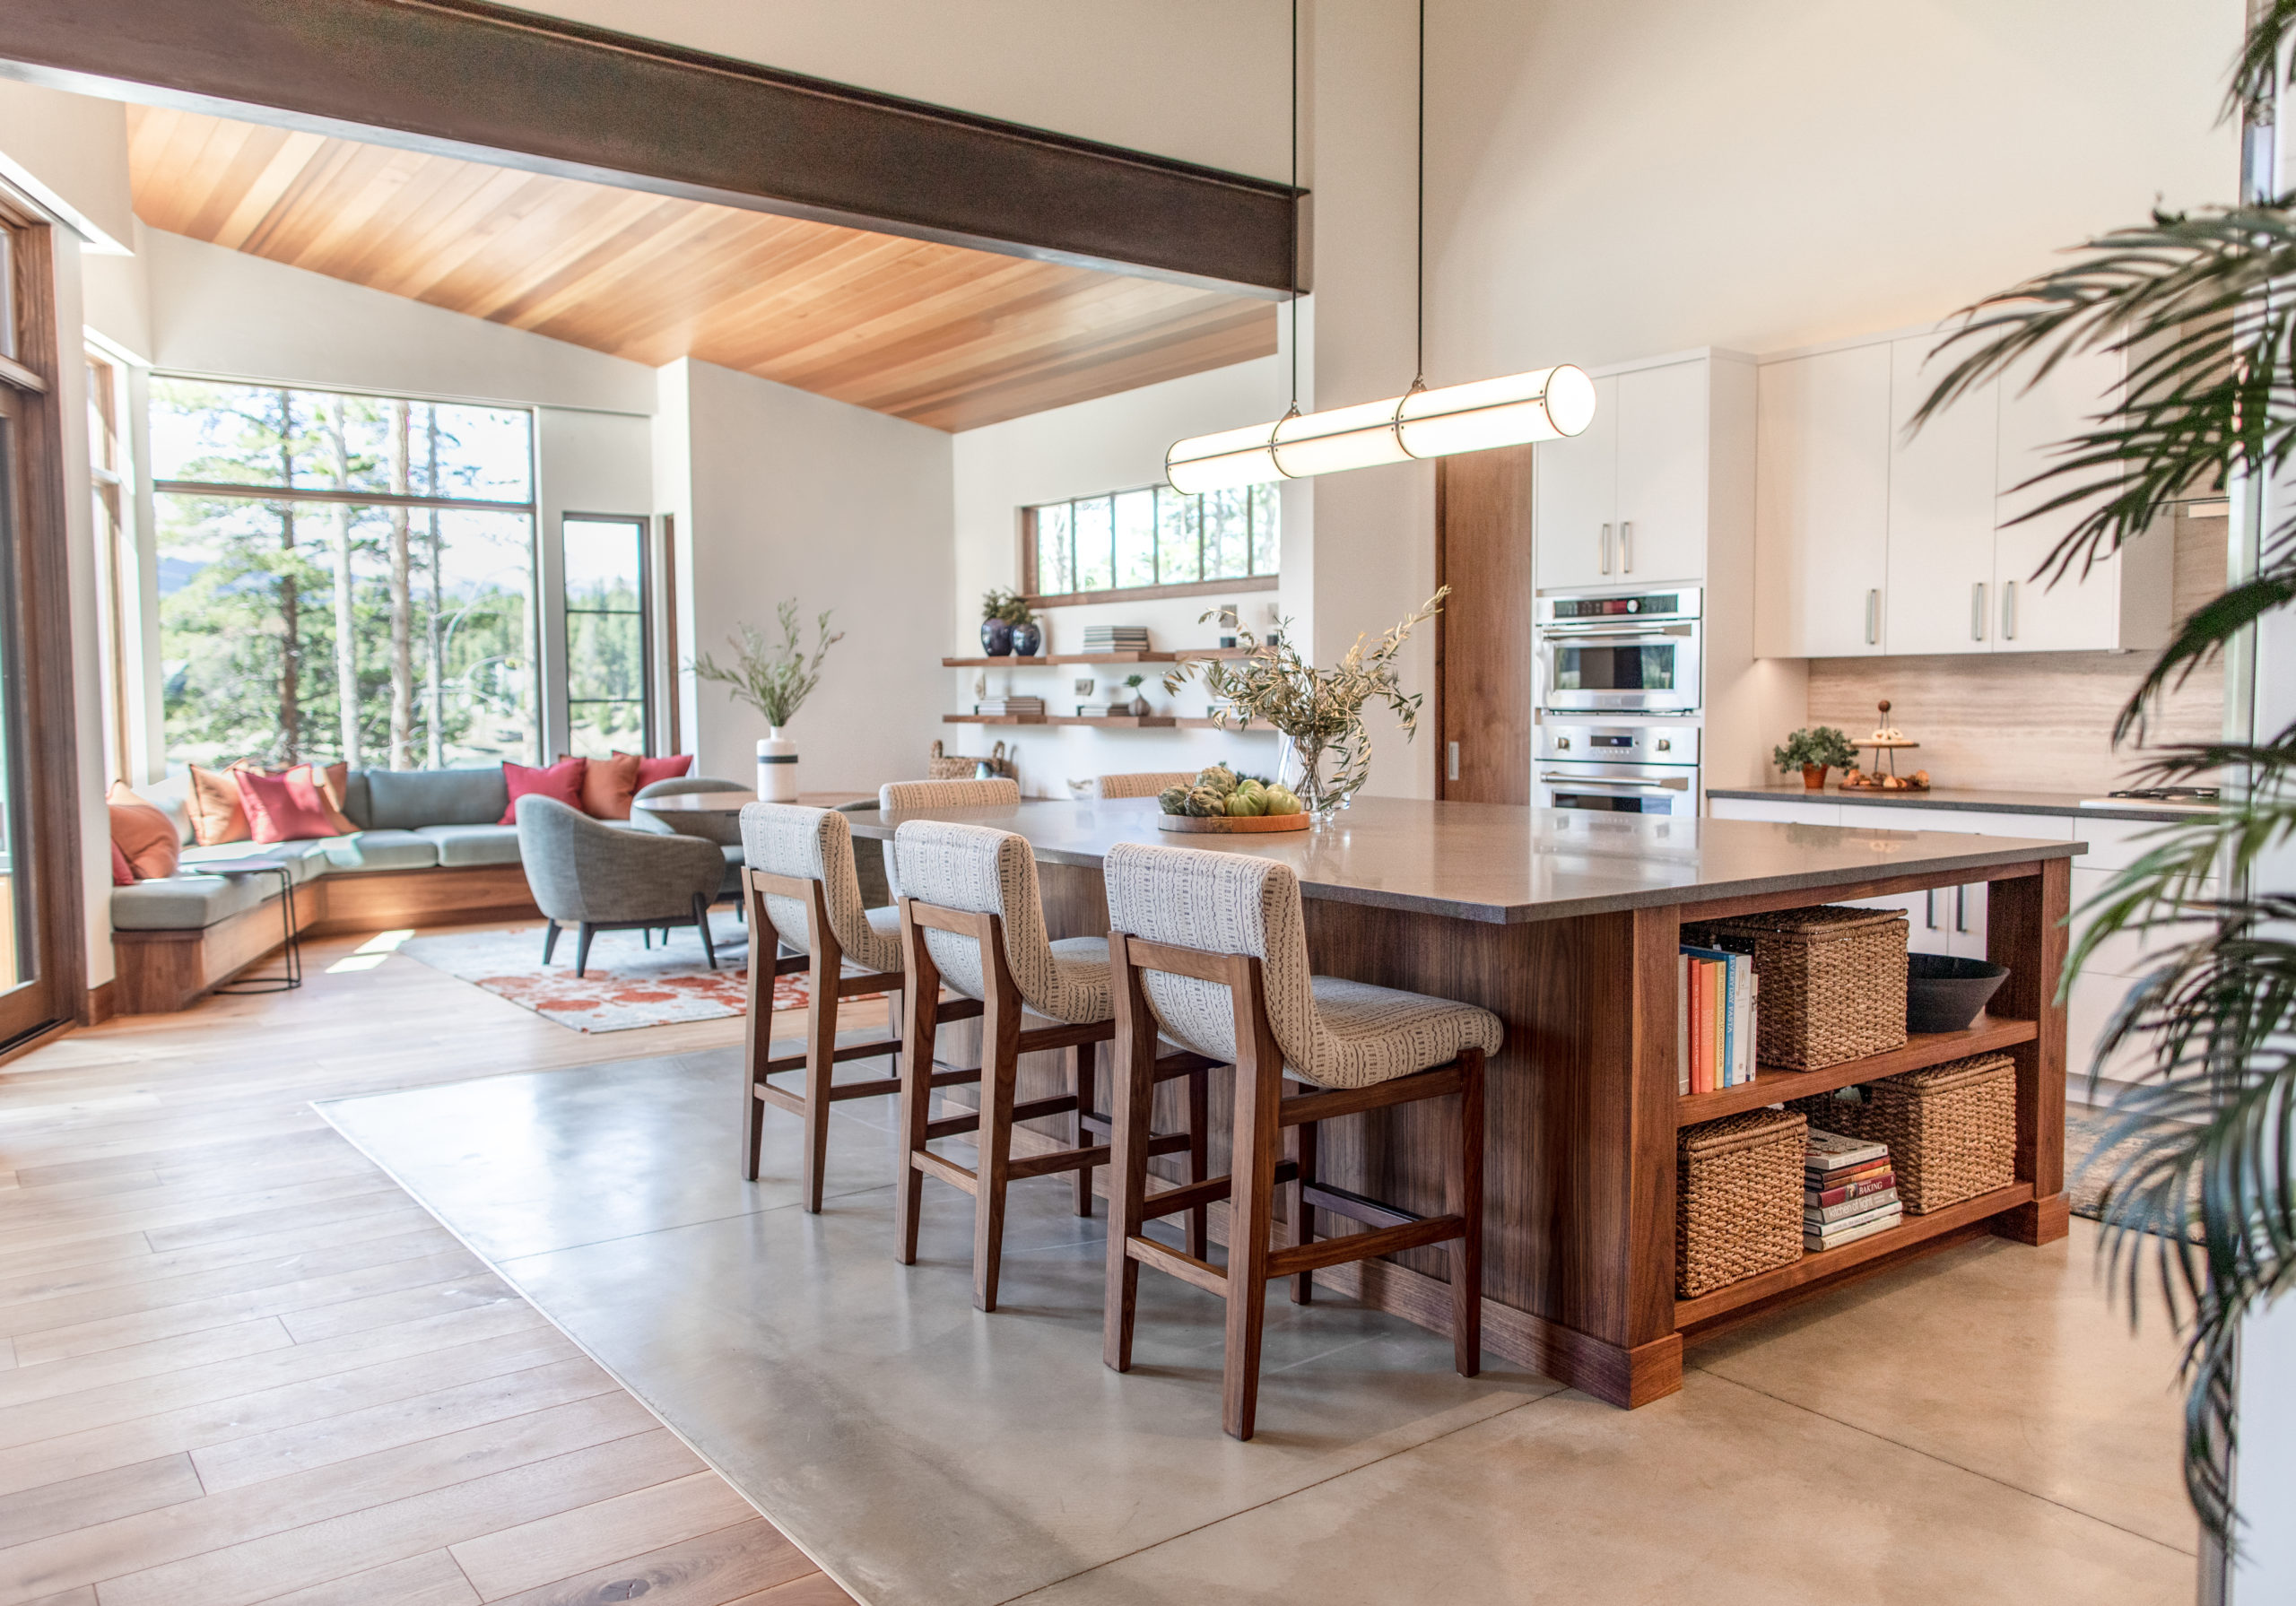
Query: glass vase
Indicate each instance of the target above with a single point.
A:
(1301, 766)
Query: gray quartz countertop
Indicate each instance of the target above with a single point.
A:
(1959, 797)
(1507, 864)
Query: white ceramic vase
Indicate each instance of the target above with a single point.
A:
(777, 767)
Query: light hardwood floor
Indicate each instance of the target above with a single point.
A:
(239, 1365)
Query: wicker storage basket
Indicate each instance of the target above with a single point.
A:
(1951, 1128)
(1738, 1199)
(1832, 981)
(940, 766)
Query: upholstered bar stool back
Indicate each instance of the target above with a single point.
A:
(1144, 783)
(804, 901)
(1212, 948)
(901, 797)
(973, 920)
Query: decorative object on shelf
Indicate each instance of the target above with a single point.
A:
(1114, 638)
(1886, 739)
(1813, 749)
(1830, 981)
(1232, 619)
(775, 678)
(1083, 686)
(1951, 1130)
(1027, 637)
(943, 765)
(1002, 613)
(1943, 993)
(1219, 800)
(1319, 713)
(1139, 699)
(1738, 1199)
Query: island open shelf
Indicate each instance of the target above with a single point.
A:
(1776, 1084)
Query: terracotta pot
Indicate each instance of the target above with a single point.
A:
(1813, 778)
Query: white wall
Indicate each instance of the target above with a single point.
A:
(1113, 443)
(1199, 79)
(780, 493)
(218, 311)
(69, 154)
(585, 463)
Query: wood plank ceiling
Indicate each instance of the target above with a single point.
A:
(940, 334)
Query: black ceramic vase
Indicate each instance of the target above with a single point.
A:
(995, 637)
(1026, 638)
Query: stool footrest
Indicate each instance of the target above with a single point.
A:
(1052, 1165)
(1363, 1246)
(1302, 1107)
(879, 981)
(1148, 1252)
(882, 1048)
(1356, 1207)
(1211, 1190)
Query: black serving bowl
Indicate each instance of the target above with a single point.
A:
(1945, 994)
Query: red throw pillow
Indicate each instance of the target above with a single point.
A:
(670, 768)
(562, 781)
(144, 838)
(284, 808)
(122, 875)
(328, 785)
(608, 784)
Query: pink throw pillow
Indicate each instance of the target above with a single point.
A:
(122, 875)
(675, 766)
(284, 808)
(562, 781)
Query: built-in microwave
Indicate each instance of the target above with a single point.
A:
(1643, 768)
(1628, 654)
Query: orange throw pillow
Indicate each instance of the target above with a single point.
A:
(144, 836)
(608, 784)
(327, 784)
(213, 801)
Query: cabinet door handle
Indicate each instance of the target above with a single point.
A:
(1874, 618)
(1626, 547)
(1929, 908)
(1960, 908)
(1453, 771)
(1976, 612)
(2008, 609)
(1607, 549)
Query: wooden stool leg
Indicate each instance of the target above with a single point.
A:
(1303, 1214)
(821, 1066)
(757, 1048)
(1199, 1160)
(1000, 1043)
(1251, 1204)
(1132, 1094)
(1462, 1197)
(921, 1025)
(1080, 1081)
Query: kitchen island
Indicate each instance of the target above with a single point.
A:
(1566, 925)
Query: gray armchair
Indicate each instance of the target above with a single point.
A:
(597, 878)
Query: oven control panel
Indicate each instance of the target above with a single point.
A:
(1667, 742)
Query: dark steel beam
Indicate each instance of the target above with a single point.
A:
(469, 79)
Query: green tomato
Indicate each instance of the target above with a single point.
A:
(1243, 805)
(1279, 800)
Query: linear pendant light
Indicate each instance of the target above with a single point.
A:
(1548, 403)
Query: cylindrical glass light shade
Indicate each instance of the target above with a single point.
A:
(1549, 404)
(1218, 462)
(1323, 443)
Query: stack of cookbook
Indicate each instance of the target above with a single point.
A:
(1848, 1191)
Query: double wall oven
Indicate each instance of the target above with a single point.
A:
(1620, 702)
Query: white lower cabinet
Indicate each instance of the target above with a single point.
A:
(1951, 919)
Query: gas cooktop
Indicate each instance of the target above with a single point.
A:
(2156, 797)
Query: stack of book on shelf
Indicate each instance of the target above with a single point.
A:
(1714, 1020)
(1010, 705)
(1116, 638)
(1848, 1191)
(1105, 710)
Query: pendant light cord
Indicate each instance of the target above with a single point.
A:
(1419, 246)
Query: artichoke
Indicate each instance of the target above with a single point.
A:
(1172, 800)
(1218, 779)
(1204, 803)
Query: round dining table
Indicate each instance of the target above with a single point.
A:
(679, 809)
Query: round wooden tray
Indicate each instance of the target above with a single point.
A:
(1234, 823)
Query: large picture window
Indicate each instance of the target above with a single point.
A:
(1150, 540)
(344, 577)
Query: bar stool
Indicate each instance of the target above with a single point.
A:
(973, 920)
(1212, 947)
(803, 899)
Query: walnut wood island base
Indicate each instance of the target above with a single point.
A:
(1566, 925)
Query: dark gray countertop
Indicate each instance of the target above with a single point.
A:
(1507, 864)
(1958, 798)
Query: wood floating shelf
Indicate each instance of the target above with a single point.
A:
(1984, 1036)
(993, 719)
(1054, 660)
(1819, 1264)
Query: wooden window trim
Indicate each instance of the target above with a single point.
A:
(1026, 567)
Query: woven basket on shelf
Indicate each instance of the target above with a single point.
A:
(940, 766)
(1830, 981)
(1738, 1199)
(1951, 1128)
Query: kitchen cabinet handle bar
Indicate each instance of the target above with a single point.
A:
(1453, 773)
(1626, 547)
(1873, 618)
(2008, 609)
(1607, 549)
(1976, 612)
(1669, 784)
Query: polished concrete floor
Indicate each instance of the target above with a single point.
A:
(1977, 1426)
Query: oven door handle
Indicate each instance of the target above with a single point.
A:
(1663, 783)
(1616, 633)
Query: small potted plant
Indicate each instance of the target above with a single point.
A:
(1813, 749)
(1139, 699)
(775, 678)
(1007, 626)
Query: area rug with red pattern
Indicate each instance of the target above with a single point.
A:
(628, 983)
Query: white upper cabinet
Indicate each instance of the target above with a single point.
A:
(1821, 504)
(1942, 496)
(1661, 481)
(1574, 501)
(1868, 540)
